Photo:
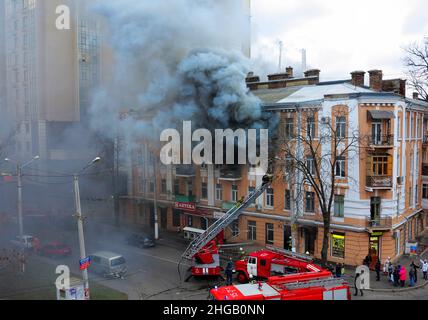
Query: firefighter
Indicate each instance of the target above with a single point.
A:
(240, 202)
(229, 272)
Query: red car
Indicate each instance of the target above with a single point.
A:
(56, 250)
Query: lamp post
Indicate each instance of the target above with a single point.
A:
(19, 168)
(80, 219)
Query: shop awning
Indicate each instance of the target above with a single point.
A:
(381, 114)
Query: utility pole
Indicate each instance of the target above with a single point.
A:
(80, 220)
(116, 180)
(155, 201)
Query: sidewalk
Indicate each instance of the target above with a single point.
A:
(384, 285)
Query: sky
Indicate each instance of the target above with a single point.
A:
(340, 36)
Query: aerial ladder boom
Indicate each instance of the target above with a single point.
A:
(201, 241)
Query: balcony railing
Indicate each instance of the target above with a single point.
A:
(185, 199)
(379, 181)
(185, 171)
(382, 222)
(383, 140)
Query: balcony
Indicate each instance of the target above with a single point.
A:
(381, 141)
(230, 173)
(379, 224)
(379, 182)
(185, 171)
(228, 205)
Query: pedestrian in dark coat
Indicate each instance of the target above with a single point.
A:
(229, 272)
(356, 280)
(411, 276)
(338, 270)
(396, 276)
(415, 269)
(377, 269)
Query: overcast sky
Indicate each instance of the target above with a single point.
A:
(340, 36)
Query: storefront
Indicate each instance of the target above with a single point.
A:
(338, 245)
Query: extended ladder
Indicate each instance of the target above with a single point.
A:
(201, 241)
(328, 283)
(290, 254)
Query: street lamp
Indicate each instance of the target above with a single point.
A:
(80, 219)
(19, 168)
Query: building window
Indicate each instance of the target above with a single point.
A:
(204, 190)
(234, 193)
(339, 206)
(338, 245)
(289, 128)
(269, 233)
(190, 188)
(252, 230)
(219, 192)
(310, 202)
(341, 127)
(310, 165)
(425, 191)
(163, 186)
(204, 224)
(270, 198)
(380, 166)
(340, 167)
(287, 200)
(399, 128)
(310, 128)
(176, 187)
(235, 229)
(251, 190)
(288, 167)
(375, 207)
(151, 186)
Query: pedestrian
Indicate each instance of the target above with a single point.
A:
(377, 269)
(391, 273)
(229, 272)
(411, 276)
(396, 275)
(386, 266)
(403, 276)
(415, 268)
(357, 276)
(366, 261)
(425, 269)
(338, 270)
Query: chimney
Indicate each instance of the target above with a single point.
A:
(312, 73)
(290, 72)
(251, 77)
(376, 77)
(416, 95)
(358, 78)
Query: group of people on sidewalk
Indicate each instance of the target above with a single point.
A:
(397, 274)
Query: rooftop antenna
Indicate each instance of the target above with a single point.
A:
(304, 61)
(281, 46)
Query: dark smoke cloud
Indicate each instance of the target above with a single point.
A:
(176, 60)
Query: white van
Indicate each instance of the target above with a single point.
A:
(108, 264)
(192, 233)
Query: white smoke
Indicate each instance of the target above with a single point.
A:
(176, 60)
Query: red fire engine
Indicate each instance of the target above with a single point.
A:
(203, 250)
(272, 261)
(307, 286)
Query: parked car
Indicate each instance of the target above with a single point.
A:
(108, 264)
(141, 241)
(56, 250)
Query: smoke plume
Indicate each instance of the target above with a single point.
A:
(176, 60)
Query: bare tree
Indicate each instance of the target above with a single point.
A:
(417, 63)
(318, 150)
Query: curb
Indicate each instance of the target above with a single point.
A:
(399, 290)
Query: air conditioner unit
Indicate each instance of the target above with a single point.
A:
(400, 180)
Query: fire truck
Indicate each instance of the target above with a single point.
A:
(273, 261)
(306, 286)
(203, 250)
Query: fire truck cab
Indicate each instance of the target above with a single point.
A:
(267, 263)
